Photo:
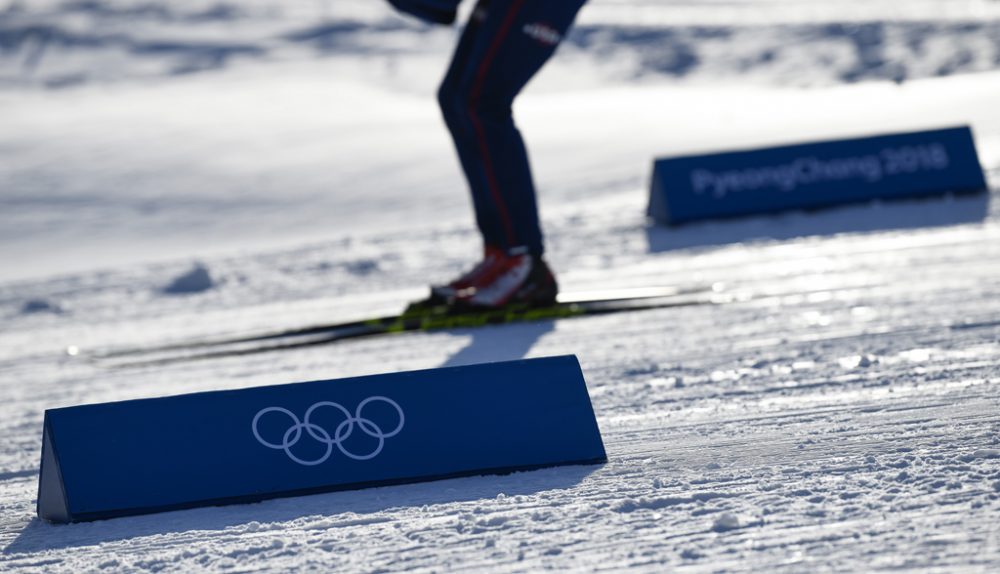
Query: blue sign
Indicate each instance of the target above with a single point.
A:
(807, 176)
(134, 457)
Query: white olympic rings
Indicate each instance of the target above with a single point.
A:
(320, 434)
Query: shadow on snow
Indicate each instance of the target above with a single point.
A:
(39, 535)
(887, 216)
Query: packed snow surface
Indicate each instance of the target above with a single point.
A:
(191, 169)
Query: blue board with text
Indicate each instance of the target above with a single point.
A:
(815, 175)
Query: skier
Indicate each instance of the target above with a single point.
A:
(503, 46)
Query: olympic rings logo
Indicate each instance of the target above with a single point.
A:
(322, 435)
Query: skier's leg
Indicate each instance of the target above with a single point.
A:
(452, 98)
(511, 40)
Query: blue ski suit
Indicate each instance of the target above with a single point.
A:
(505, 43)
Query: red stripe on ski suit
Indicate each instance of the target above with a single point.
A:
(484, 149)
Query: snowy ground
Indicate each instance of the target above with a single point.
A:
(849, 422)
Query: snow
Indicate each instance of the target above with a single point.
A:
(196, 280)
(728, 521)
(846, 417)
(39, 306)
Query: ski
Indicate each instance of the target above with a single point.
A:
(568, 306)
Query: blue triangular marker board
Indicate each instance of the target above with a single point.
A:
(134, 457)
(815, 175)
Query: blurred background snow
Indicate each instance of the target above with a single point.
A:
(141, 130)
(59, 43)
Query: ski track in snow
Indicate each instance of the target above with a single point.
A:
(846, 418)
(852, 427)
